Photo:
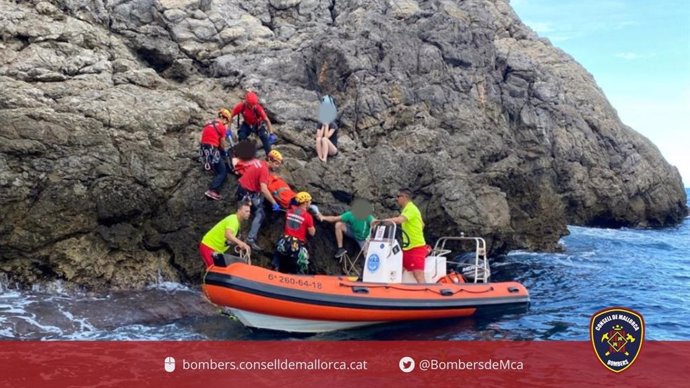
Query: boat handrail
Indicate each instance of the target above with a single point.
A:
(440, 252)
(479, 253)
(243, 254)
(374, 234)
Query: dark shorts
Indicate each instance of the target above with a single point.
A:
(413, 259)
(348, 233)
(334, 136)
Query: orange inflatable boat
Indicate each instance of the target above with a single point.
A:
(266, 299)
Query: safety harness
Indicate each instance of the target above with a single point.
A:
(208, 154)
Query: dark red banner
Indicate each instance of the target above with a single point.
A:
(335, 364)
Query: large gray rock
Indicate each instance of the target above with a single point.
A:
(498, 132)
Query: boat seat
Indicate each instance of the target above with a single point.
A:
(224, 259)
(349, 265)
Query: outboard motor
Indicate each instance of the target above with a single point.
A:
(467, 266)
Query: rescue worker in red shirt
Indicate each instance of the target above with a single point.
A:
(254, 119)
(253, 186)
(213, 153)
(291, 255)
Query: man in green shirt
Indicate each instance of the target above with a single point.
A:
(218, 238)
(355, 224)
(413, 244)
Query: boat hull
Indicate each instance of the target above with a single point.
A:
(294, 325)
(324, 303)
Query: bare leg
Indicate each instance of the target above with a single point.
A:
(319, 142)
(419, 276)
(332, 150)
(327, 148)
(339, 229)
(324, 149)
(318, 147)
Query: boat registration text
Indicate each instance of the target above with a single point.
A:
(306, 283)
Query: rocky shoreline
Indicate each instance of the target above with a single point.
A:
(499, 133)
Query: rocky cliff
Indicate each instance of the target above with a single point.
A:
(101, 102)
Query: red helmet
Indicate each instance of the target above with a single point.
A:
(251, 98)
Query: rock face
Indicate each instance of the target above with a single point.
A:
(499, 133)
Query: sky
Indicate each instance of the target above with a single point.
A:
(639, 54)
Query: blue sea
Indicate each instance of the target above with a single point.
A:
(647, 270)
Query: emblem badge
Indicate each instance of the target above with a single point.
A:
(617, 335)
(373, 263)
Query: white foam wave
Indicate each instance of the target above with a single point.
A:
(6, 333)
(84, 324)
(43, 328)
(168, 286)
(533, 255)
(138, 332)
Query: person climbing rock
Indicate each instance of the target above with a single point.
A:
(223, 233)
(213, 152)
(327, 132)
(254, 120)
(291, 255)
(253, 186)
(355, 223)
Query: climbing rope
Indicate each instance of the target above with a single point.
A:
(303, 260)
(243, 254)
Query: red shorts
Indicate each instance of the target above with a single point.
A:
(413, 259)
(206, 254)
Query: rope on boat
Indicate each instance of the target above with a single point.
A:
(407, 288)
